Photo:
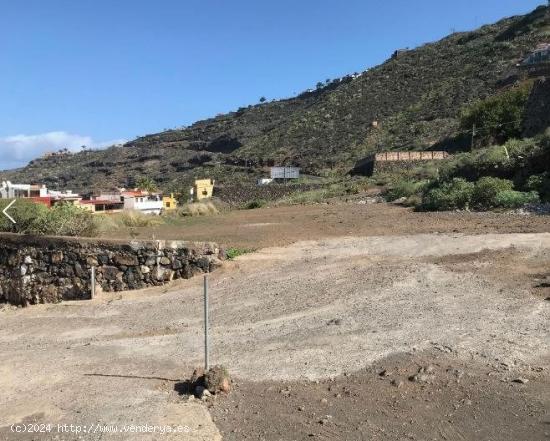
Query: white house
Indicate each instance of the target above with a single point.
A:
(15, 191)
(151, 204)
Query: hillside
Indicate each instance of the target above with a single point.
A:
(415, 97)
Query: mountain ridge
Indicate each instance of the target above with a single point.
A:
(412, 101)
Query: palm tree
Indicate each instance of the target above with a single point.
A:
(145, 183)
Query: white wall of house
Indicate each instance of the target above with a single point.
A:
(145, 204)
(11, 191)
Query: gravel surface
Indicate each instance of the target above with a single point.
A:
(303, 313)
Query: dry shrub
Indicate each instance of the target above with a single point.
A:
(198, 209)
(135, 219)
(127, 219)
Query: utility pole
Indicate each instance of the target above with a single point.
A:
(473, 135)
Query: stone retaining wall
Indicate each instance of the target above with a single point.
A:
(398, 166)
(389, 162)
(50, 269)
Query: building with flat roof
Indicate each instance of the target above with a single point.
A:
(169, 202)
(203, 189)
(8, 190)
(148, 204)
(102, 205)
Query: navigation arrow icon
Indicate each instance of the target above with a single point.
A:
(5, 211)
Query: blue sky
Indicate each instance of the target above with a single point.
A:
(95, 72)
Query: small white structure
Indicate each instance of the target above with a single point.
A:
(264, 181)
(285, 173)
(65, 195)
(151, 204)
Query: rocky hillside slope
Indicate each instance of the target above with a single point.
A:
(414, 97)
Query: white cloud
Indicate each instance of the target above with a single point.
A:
(18, 150)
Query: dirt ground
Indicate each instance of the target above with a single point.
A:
(267, 227)
(459, 400)
(324, 337)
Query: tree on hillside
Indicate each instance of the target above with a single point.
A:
(146, 184)
(263, 99)
(499, 117)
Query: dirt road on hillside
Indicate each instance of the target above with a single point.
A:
(295, 317)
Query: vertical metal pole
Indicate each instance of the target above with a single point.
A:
(206, 361)
(93, 282)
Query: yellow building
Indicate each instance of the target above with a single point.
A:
(203, 189)
(169, 202)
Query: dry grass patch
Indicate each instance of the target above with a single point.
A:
(197, 209)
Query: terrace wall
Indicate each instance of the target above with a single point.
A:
(395, 161)
(50, 269)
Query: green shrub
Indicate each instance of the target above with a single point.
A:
(414, 201)
(515, 199)
(514, 159)
(61, 220)
(541, 184)
(499, 117)
(352, 188)
(487, 189)
(403, 189)
(67, 220)
(453, 195)
(535, 182)
(257, 203)
(232, 253)
(26, 214)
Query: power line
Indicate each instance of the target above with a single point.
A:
(486, 129)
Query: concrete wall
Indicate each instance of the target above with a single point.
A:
(398, 166)
(410, 156)
(50, 269)
(395, 161)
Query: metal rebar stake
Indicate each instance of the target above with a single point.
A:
(92, 292)
(206, 361)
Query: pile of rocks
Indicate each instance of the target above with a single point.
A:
(205, 384)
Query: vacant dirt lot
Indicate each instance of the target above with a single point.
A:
(307, 330)
(269, 227)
